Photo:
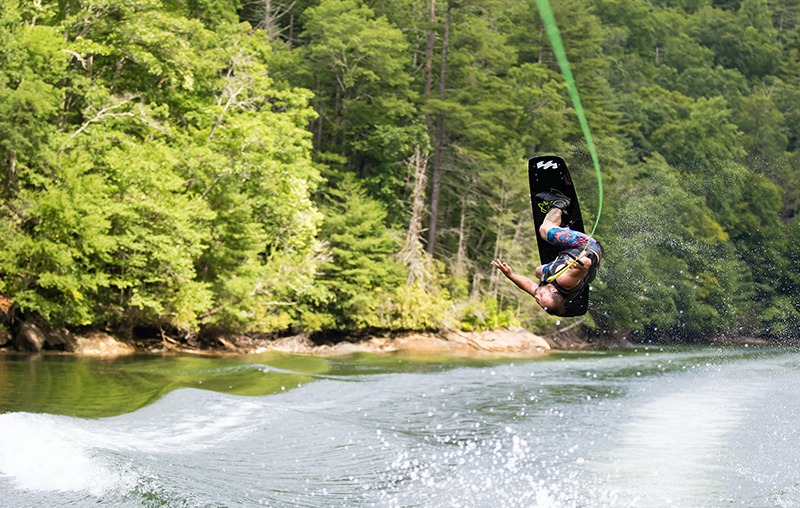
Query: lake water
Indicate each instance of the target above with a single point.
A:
(685, 427)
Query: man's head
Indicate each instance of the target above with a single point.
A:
(548, 298)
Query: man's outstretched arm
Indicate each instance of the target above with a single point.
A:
(521, 281)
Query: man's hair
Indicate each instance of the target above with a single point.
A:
(559, 305)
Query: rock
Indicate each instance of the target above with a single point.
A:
(29, 338)
(5, 336)
(429, 343)
(498, 342)
(101, 344)
(229, 346)
(60, 339)
(517, 341)
(303, 345)
(298, 344)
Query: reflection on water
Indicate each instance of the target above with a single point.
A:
(91, 388)
(653, 427)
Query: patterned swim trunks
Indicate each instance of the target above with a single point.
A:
(568, 239)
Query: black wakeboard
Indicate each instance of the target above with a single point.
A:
(548, 173)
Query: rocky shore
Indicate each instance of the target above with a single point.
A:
(513, 342)
(509, 342)
(497, 342)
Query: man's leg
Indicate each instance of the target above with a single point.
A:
(551, 230)
(551, 220)
(565, 238)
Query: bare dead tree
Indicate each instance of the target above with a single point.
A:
(460, 264)
(413, 253)
(269, 14)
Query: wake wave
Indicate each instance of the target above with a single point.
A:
(62, 454)
(53, 453)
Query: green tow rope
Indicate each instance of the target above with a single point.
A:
(561, 57)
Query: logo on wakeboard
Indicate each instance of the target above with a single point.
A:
(547, 165)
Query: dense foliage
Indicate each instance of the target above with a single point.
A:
(279, 166)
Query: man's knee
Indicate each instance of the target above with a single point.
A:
(551, 220)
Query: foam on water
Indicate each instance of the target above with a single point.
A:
(50, 453)
(63, 454)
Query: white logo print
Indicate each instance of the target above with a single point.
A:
(547, 165)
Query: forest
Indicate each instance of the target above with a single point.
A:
(339, 166)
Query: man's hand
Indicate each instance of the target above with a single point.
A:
(522, 282)
(503, 267)
(580, 265)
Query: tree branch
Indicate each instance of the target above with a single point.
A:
(106, 112)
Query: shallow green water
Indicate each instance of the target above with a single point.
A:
(651, 427)
(93, 388)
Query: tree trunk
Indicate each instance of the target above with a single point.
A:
(274, 11)
(459, 270)
(429, 51)
(438, 141)
(494, 280)
(319, 131)
(475, 294)
(11, 173)
(268, 22)
(412, 254)
(460, 267)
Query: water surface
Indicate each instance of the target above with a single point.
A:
(651, 427)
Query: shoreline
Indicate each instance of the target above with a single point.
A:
(517, 342)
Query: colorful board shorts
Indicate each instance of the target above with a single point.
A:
(568, 239)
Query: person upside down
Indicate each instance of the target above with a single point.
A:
(575, 266)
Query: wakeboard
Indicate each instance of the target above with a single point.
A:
(549, 173)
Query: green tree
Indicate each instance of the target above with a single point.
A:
(764, 137)
(357, 64)
(743, 40)
(362, 270)
(159, 161)
(160, 189)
